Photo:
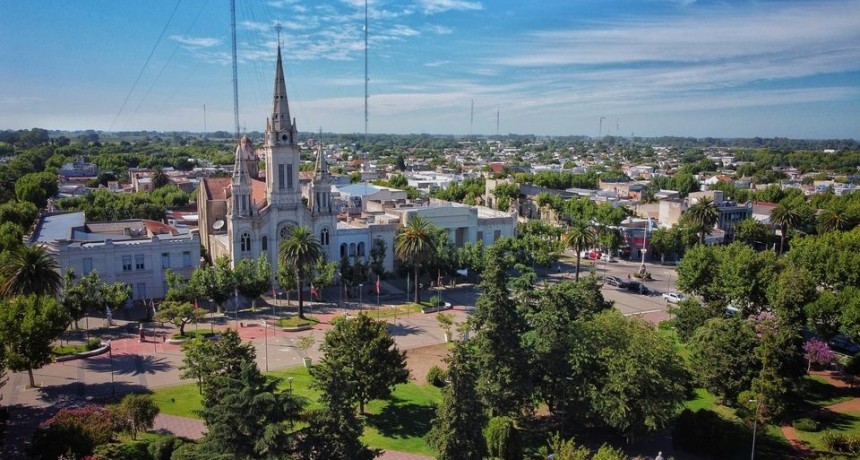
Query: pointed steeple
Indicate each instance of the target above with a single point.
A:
(244, 152)
(321, 169)
(280, 129)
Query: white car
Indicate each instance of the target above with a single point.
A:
(674, 297)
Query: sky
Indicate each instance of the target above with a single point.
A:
(766, 68)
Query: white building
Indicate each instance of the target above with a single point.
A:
(134, 252)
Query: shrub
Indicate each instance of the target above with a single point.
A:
(77, 431)
(437, 376)
(805, 424)
(163, 447)
(841, 443)
(433, 301)
(93, 343)
(138, 413)
(186, 451)
(503, 439)
(127, 451)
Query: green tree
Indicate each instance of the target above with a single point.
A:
(703, 215)
(323, 275)
(689, 316)
(723, 358)
(503, 440)
(837, 217)
(414, 245)
(633, 376)
(579, 237)
(377, 258)
(460, 417)
(30, 270)
(253, 278)
(180, 290)
(698, 273)
(504, 385)
(138, 412)
(249, 418)
(786, 216)
(159, 179)
(179, 314)
(301, 252)
(833, 258)
(753, 233)
(334, 433)
(367, 355)
(22, 213)
(28, 326)
(206, 361)
(215, 282)
(36, 188)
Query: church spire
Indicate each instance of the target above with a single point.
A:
(281, 129)
(244, 154)
(321, 168)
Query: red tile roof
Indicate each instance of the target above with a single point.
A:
(216, 187)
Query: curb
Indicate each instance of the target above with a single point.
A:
(100, 350)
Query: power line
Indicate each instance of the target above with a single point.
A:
(146, 64)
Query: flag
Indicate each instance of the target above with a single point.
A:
(378, 286)
(314, 292)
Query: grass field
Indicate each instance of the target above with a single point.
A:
(838, 423)
(190, 334)
(66, 350)
(295, 321)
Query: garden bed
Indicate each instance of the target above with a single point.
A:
(436, 308)
(296, 324)
(94, 347)
(190, 335)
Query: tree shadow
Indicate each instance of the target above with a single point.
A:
(81, 393)
(129, 364)
(814, 394)
(400, 329)
(401, 419)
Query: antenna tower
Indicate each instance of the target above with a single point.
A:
(204, 120)
(235, 68)
(472, 118)
(600, 132)
(366, 79)
(497, 122)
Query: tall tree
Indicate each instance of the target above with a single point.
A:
(457, 432)
(205, 361)
(787, 216)
(365, 352)
(414, 245)
(253, 278)
(249, 418)
(301, 252)
(177, 313)
(504, 386)
(703, 215)
(334, 433)
(30, 270)
(579, 237)
(837, 217)
(28, 326)
(723, 358)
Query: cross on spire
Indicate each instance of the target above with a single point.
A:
(278, 28)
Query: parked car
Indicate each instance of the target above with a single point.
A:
(607, 258)
(637, 287)
(843, 344)
(615, 281)
(674, 297)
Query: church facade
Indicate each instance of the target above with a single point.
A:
(250, 213)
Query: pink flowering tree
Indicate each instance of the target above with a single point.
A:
(818, 352)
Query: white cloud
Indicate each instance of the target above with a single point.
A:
(196, 42)
(440, 6)
(440, 30)
(437, 63)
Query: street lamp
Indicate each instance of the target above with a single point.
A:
(755, 426)
(642, 266)
(290, 379)
(110, 356)
(360, 289)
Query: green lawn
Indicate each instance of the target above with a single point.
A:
(398, 424)
(192, 333)
(65, 350)
(295, 321)
(839, 423)
(390, 312)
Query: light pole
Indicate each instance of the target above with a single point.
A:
(290, 379)
(360, 289)
(340, 278)
(110, 357)
(755, 425)
(266, 342)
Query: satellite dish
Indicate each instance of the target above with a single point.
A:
(218, 225)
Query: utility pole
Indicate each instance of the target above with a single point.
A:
(497, 122)
(600, 132)
(472, 119)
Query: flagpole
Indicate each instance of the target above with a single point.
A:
(377, 297)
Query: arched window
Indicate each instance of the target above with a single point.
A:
(245, 242)
(361, 249)
(352, 249)
(324, 240)
(342, 250)
(264, 243)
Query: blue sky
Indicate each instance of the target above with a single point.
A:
(650, 67)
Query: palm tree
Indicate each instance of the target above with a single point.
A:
(703, 215)
(30, 270)
(836, 218)
(300, 251)
(414, 243)
(579, 237)
(786, 216)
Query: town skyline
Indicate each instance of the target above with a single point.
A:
(702, 69)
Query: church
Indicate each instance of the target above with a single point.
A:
(248, 214)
